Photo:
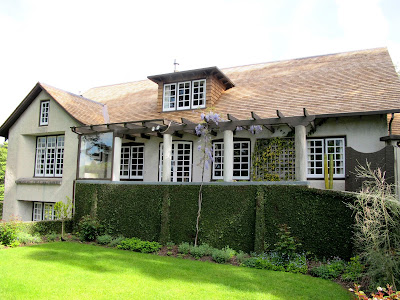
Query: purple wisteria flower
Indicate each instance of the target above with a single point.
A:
(254, 129)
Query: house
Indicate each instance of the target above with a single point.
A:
(341, 104)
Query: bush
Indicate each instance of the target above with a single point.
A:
(353, 270)
(240, 257)
(104, 239)
(200, 251)
(184, 248)
(115, 241)
(333, 269)
(26, 238)
(222, 256)
(89, 228)
(135, 244)
(52, 236)
(8, 232)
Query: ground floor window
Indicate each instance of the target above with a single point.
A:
(181, 162)
(316, 150)
(43, 211)
(132, 161)
(241, 160)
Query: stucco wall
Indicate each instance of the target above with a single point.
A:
(21, 159)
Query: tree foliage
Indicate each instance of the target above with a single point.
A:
(3, 160)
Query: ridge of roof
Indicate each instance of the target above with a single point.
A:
(309, 57)
(248, 65)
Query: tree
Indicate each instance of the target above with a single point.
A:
(63, 211)
(3, 160)
(203, 130)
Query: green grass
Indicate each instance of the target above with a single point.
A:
(77, 271)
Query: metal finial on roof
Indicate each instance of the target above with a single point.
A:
(175, 64)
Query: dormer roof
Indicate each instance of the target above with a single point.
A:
(193, 74)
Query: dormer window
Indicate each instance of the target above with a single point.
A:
(44, 113)
(190, 89)
(184, 95)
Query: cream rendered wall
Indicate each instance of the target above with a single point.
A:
(362, 134)
(21, 159)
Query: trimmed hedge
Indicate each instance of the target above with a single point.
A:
(1, 210)
(45, 227)
(244, 217)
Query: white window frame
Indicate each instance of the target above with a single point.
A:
(181, 97)
(176, 97)
(167, 98)
(203, 99)
(337, 162)
(218, 155)
(176, 164)
(43, 211)
(37, 211)
(44, 113)
(134, 163)
(49, 156)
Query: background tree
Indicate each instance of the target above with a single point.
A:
(63, 211)
(3, 160)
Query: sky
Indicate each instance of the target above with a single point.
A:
(78, 44)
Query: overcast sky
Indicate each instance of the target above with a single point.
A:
(77, 44)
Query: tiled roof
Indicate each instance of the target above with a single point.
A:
(352, 82)
(82, 109)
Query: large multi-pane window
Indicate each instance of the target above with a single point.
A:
(95, 158)
(44, 113)
(241, 160)
(316, 150)
(49, 156)
(43, 211)
(132, 162)
(184, 95)
(181, 162)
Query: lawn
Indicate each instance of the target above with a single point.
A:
(66, 270)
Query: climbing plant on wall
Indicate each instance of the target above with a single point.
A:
(273, 159)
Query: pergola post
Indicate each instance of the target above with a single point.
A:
(167, 156)
(115, 176)
(228, 155)
(301, 153)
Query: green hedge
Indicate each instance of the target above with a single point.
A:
(1, 210)
(45, 227)
(245, 217)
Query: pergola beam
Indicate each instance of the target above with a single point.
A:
(256, 117)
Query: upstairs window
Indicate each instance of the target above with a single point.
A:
(44, 113)
(49, 156)
(184, 95)
(317, 148)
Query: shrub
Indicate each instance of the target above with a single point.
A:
(286, 245)
(51, 237)
(333, 269)
(135, 244)
(250, 262)
(104, 239)
(240, 257)
(297, 264)
(26, 238)
(222, 256)
(377, 222)
(383, 293)
(353, 270)
(8, 232)
(184, 248)
(89, 228)
(115, 241)
(200, 251)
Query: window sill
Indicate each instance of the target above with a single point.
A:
(51, 181)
